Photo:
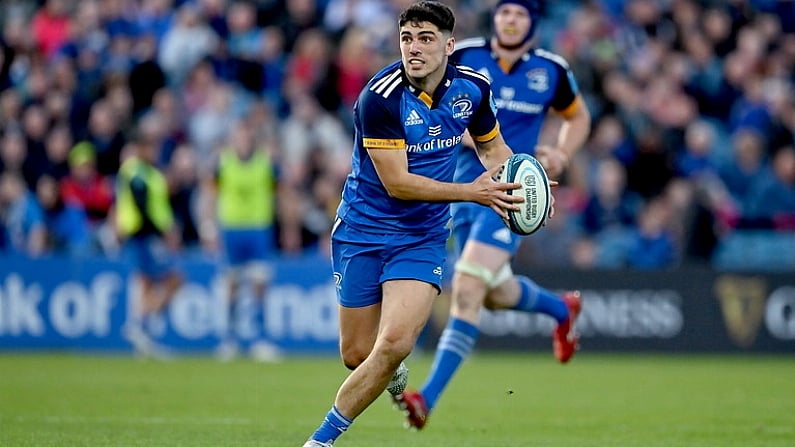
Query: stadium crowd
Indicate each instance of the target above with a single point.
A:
(691, 159)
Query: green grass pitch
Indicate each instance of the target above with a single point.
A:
(497, 400)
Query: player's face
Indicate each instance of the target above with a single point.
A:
(424, 49)
(511, 24)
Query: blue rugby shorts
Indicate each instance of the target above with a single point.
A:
(362, 261)
(482, 224)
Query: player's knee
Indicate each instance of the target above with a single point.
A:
(494, 299)
(395, 346)
(503, 296)
(353, 356)
(467, 297)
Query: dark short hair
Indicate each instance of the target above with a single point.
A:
(429, 11)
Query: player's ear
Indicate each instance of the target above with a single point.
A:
(450, 45)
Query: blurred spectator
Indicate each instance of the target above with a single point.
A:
(10, 109)
(195, 91)
(273, 59)
(84, 186)
(350, 69)
(105, 136)
(184, 190)
(35, 125)
(211, 123)
(651, 245)
(308, 64)
(610, 139)
(553, 247)
(146, 77)
(188, 40)
(772, 196)
(154, 17)
(298, 17)
(745, 165)
(245, 44)
(57, 147)
(309, 129)
(214, 13)
(13, 151)
(375, 15)
(22, 216)
(68, 231)
(167, 114)
(611, 206)
(50, 26)
(652, 165)
(696, 157)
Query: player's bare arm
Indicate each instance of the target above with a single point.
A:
(571, 137)
(492, 152)
(392, 169)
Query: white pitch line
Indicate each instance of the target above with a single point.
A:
(144, 420)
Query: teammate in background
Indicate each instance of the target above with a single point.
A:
(244, 190)
(527, 82)
(145, 224)
(388, 242)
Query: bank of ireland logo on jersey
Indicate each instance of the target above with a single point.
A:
(507, 93)
(413, 119)
(435, 131)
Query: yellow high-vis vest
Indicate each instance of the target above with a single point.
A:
(245, 191)
(158, 207)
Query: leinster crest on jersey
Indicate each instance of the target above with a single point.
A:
(538, 80)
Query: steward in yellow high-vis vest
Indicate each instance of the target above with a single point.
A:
(145, 223)
(142, 200)
(245, 192)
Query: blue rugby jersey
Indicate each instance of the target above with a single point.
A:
(390, 114)
(536, 82)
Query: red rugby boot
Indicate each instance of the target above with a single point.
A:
(565, 339)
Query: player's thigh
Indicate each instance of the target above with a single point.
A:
(487, 250)
(358, 330)
(405, 310)
(412, 278)
(357, 268)
(488, 228)
(357, 272)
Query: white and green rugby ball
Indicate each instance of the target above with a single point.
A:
(533, 212)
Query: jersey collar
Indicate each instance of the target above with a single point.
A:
(525, 57)
(447, 81)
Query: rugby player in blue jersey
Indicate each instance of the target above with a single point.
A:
(388, 243)
(527, 83)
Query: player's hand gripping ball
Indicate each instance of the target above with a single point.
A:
(533, 212)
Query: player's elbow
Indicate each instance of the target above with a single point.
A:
(397, 193)
(397, 190)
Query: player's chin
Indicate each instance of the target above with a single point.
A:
(509, 40)
(417, 71)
